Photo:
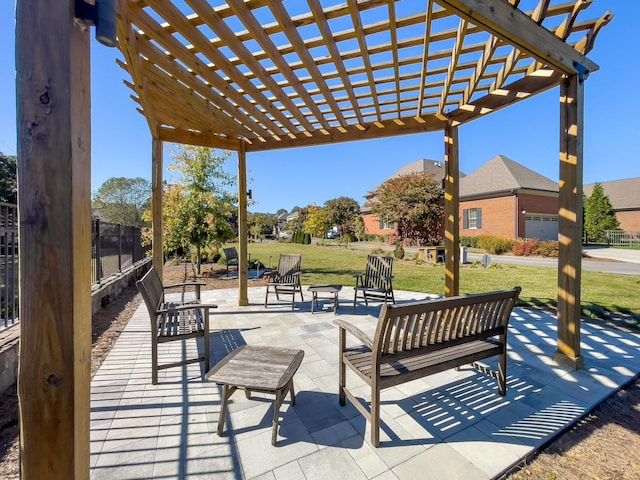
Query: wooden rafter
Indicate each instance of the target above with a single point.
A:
(253, 70)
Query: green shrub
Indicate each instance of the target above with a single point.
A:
(469, 242)
(307, 239)
(495, 245)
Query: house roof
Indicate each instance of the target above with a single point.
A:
(435, 167)
(623, 194)
(501, 174)
(265, 75)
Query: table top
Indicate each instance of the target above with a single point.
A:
(257, 367)
(325, 288)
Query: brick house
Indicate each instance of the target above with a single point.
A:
(501, 198)
(624, 196)
(380, 226)
(507, 199)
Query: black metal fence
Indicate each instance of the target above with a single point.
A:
(114, 249)
(8, 264)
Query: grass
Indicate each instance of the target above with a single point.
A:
(601, 292)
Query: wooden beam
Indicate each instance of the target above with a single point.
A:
(570, 222)
(195, 138)
(451, 205)
(513, 26)
(157, 166)
(54, 200)
(243, 256)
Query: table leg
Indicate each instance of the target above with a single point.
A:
(335, 303)
(227, 391)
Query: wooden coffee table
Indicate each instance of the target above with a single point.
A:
(333, 289)
(257, 369)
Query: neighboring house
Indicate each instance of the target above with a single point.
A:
(502, 198)
(624, 196)
(382, 226)
(506, 199)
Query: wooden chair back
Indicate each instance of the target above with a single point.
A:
(378, 270)
(289, 266)
(150, 287)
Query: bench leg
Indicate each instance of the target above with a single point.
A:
(375, 415)
(502, 374)
(154, 360)
(342, 369)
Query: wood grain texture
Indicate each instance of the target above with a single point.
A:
(54, 148)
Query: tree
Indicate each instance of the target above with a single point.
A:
(261, 224)
(415, 202)
(316, 223)
(197, 207)
(8, 179)
(342, 212)
(122, 200)
(598, 215)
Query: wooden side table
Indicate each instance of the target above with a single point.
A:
(257, 369)
(333, 289)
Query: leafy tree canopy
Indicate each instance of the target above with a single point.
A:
(342, 212)
(316, 222)
(414, 202)
(261, 223)
(8, 179)
(122, 200)
(599, 215)
(197, 208)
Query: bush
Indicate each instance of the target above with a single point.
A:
(533, 247)
(469, 242)
(398, 252)
(495, 245)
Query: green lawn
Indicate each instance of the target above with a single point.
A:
(601, 292)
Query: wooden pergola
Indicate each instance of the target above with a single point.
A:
(253, 75)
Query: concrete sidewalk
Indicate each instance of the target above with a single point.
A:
(449, 425)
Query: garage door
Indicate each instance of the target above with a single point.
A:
(543, 227)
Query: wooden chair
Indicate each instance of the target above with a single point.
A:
(286, 279)
(231, 258)
(377, 281)
(173, 321)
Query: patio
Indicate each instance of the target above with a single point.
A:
(449, 425)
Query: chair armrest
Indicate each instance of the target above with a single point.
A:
(359, 279)
(355, 331)
(186, 306)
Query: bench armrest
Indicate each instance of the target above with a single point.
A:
(355, 331)
(186, 306)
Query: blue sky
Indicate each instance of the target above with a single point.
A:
(526, 133)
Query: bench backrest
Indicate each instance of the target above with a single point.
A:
(150, 287)
(230, 254)
(288, 266)
(379, 269)
(430, 323)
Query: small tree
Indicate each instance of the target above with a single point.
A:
(122, 200)
(598, 215)
(316, 222)
(198, 206)
(415, 203)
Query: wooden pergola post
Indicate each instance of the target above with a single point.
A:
(243, 298)
(157, 161)
(451, 205)
(54, 175)
(570, 222)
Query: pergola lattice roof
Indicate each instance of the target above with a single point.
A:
(290, 73)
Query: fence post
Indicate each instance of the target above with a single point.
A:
(98, 254)
(119, 247)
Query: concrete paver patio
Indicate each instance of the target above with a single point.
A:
(449, 425)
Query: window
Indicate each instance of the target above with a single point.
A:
(386, 224)
(472, 218)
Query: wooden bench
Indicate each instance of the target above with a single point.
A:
(417, 339)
